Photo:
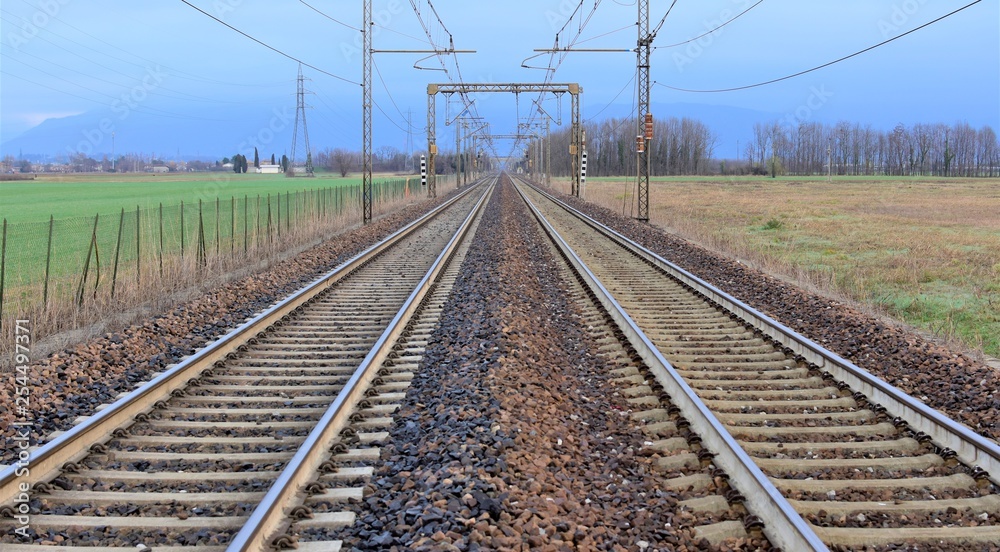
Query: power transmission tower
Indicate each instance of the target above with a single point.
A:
(645, 125)
(300, 120)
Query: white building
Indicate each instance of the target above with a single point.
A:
(267, 168)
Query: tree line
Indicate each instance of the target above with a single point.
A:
(686, 147)
(859, 150)
(679, 146)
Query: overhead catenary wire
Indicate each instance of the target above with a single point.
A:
(335, 20)
(662, 21)
(741, 14)
(388, 93)
(269, 47)
(148, 110)
(173, 71)
(818, 67)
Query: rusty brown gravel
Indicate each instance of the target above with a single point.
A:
(71, 383)
(950, 381)
(510, 437)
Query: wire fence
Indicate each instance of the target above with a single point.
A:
(62, 272)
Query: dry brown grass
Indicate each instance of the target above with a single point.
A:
(924, 251)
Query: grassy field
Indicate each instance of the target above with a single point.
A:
(926, 251)
(84, 195)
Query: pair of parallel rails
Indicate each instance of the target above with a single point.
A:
(243, 440)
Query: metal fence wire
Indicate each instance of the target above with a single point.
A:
(59, 267)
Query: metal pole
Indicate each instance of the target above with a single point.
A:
(575, 146)
(366, 155)
(548, 152)
(138, 249)
(118, 248)
(644, 42)
(458, 154)
(431, 140)
(48, 262)
(3, 267)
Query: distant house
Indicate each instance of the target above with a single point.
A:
(159, 169)
(267, 168)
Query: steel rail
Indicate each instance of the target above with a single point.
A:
(783, 525)
(268, 518)
(972, 448)
(45, 462)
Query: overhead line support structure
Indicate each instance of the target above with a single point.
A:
(367, 103)
(644, 48)
(574, 90)
(366, 154)
(643, 52)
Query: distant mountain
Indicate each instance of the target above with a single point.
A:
(199, 134)
(183, 133)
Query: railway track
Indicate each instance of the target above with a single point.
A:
(822, 452)
(216, 452)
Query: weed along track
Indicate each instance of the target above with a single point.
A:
(862, 463)
(222, 442)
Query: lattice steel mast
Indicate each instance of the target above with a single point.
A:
(300, 118)
(643, 52)
(366, 87)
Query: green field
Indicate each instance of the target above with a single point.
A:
(924, 250)
(71, 196)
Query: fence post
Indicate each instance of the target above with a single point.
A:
(246, 237)
(232, 225)
(257, 233)
(217, 227)
(182, 232)
(288, 222)
(86, 263)
(278, 206)
(268, 218)
(138, 250)
(201, 236)
(48, 262)
(3, 268)
(118, 248)
(161, 240)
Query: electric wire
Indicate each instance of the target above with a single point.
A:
(175, 72)
(662, 21)
(759, 2)
(268, 46)
(611, 33)
(800, 73)
(620, 92)
(391, 99)
(148, 110)
(330, 18)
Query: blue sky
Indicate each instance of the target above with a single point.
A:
(164, 59)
